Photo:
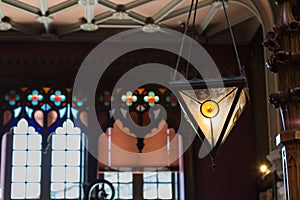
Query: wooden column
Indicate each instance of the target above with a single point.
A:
(284, 42)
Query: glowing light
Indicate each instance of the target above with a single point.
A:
(209, 109)
(264, 169)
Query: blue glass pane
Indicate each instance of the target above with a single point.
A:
(46, 107)
(17, 111)
(29, 111)
(62, 112)
(74, 113)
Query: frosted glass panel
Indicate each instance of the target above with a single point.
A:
(111, 177)
(165, 191)
(72, 191)
(58, 157)
(58, 174)
(33, 190)
(164, 176)
(20, 142)
(125, 191)
(66, 162)
(18, 174)
(18, 190)
(33, 174)
(59, 142)
(19, 158)
(73, 142)
(34, 158)
(150, 176)
(26, 162)
(72, 174)
(34, 142)
(73, 158)
(57, 190)
(125, 177)
(150, 191)
(116, 190)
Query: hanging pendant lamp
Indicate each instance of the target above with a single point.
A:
(213, 111)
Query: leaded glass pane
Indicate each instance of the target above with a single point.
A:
(150, 191)
(67, 155)
(26, 162)
(165, 191)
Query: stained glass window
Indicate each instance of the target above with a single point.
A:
(42, 127)
(158, 185)
(122, 182)
(26, 162)
(66, 161)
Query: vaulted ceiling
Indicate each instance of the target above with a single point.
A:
(97, 19)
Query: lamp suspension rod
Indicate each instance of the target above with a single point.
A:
(190, 46)
(242, 71)
(183, 38)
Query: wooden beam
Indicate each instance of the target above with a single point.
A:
(223, 25)
(183, 11)
(22, 7)
(62, 7)
(166, 10)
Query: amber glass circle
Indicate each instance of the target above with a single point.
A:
(209, 109)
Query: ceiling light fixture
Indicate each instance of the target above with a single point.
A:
(213, 106)
(151, 28)
(5, 26)
(89, 27)
(120, 15)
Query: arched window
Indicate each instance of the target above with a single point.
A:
(26, 162)
(67, 162)
(142, 166)
(43, 153)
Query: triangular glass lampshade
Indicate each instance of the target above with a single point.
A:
(212, 112)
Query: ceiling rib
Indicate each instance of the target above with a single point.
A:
(137, 17)
(102, 17)
(70, 29)
(135, 4)
(22, 6)
(183, 11)
(23, 29)
(166, 10)
(62, 7)
(120, 24)
(44, 19)
(209, 16)
(108, 4)
(223, 25)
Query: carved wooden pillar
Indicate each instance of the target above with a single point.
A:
(284, 41)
